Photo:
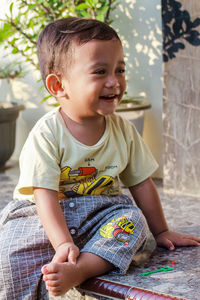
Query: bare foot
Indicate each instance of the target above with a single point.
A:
(60, 277)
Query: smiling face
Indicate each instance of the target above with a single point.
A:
(94, 83)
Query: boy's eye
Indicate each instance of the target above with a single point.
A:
(121, 71)
(100, 72)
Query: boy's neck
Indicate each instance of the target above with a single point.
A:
(88, 131)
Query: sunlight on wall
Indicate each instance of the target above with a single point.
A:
(142, 44)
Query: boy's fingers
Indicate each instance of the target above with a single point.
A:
(169, 245)
(188, 242)
(194, 238)
(73, 254)
(72, 258)
(60, 258)
(166, 243)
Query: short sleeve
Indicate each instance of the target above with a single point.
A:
(141, 163)
(39, 162)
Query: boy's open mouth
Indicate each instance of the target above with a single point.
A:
(109, 98)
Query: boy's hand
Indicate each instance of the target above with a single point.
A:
(66, 252)
(170, 239)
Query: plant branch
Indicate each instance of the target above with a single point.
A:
(24, 55)
(49, 11)
(23, 33)
(108, 11)
(73, 2)
(26, 4)
(9, 75)
(92, 12)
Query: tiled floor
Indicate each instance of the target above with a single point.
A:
(183, 215)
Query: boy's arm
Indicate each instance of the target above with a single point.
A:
(147, 199)
(53, 221)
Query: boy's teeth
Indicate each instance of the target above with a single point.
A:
(109, 96)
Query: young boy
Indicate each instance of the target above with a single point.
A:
(69, 170)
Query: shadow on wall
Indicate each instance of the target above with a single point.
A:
(177, 27)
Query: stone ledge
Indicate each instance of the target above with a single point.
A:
(116, 290)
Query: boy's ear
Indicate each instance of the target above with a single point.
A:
(54, 85)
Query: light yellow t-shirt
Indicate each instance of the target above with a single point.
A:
(53, 159)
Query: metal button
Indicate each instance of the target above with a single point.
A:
(72, 231)
(72, 204)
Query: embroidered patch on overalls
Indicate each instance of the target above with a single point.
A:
(121, 229)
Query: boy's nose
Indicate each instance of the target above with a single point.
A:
(112, 82)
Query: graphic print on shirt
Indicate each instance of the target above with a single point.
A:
(121, 229)
(85, 181)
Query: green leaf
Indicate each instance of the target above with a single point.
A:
(46, 98)
(6, 32)
(82, 6)
(13, 41)
(31, 24)
(27, 48)
(11, 8)
(31, 6)
(84, 14)
(15, 51)
(18, 18)
(89, 2)
(100, 18)
(95, 2)
(102, 11)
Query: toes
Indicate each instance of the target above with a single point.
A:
(50, 268)
(44, 269)
(52, 283)
(55, 291)
(53, 288)
(52, 276)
